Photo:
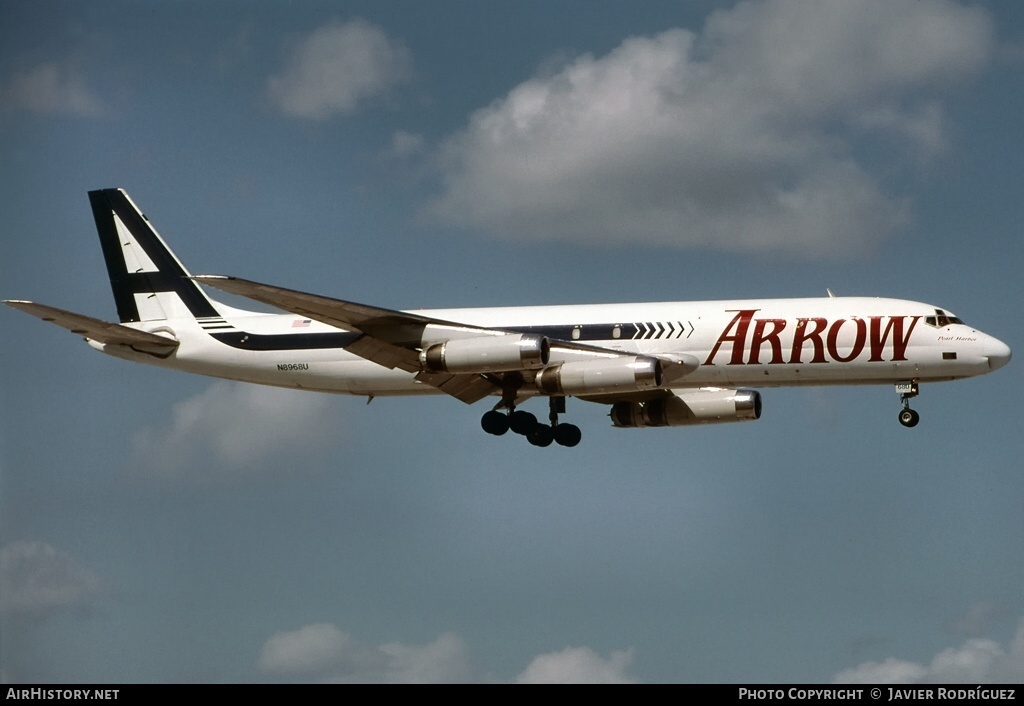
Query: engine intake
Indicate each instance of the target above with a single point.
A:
(684, 408)
(593, 377)
(487, 354)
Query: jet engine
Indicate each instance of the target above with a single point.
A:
(487, 354)
(594, 377)
(686, 407)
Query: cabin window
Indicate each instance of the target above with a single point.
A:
(576, 333)
(616, 331)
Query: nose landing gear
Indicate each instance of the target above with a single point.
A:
(908, 391)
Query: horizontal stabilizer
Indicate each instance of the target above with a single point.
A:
(96, 329)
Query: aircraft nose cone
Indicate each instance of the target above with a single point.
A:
(998, 355)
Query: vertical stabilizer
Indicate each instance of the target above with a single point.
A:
(149, 282)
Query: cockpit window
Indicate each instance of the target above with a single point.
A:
(942, 319)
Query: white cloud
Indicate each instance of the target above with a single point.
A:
(337, 67)
(979, 661)
(442, 661)
(578, 665)
(233, 429)
(322, 652)
(741, 138)
(36, 580)
(51, 88)
(313, 649)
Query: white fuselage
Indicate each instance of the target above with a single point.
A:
(743, 343)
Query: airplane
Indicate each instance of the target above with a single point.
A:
(661, 364)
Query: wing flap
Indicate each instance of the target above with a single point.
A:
(97, 329)
(387, 354)
(467, 387)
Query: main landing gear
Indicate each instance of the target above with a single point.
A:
(526, 424)
(908, 391)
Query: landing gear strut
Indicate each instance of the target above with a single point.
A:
(565, 434)
(497, 423)
(525, 424)
(543, 434)
(908, 391)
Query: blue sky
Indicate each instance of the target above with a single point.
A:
(161, 527)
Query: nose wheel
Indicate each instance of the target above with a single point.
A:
(908, 391)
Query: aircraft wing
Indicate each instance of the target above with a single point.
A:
(97, 329)
(390, 338)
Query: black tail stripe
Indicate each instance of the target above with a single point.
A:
(101, 210)
(169, 277)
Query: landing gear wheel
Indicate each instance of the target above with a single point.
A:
(526, 424)
(567, 435)
(494, 422)
(909, 418)
(540, 435)
(522, 422)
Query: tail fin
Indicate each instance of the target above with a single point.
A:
(149, 282)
